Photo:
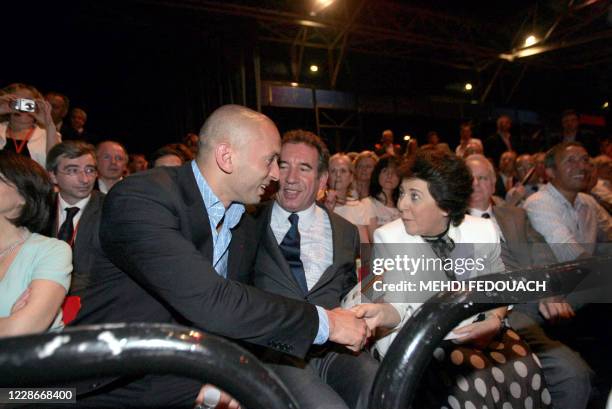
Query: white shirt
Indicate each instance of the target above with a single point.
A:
(316, 243)
(578, 227)
(354, 211)
(489, 211)
(61, 211)
(375, 209)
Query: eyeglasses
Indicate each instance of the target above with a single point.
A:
(74, 172)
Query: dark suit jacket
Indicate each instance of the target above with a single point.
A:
(523, 247)
(87, 243)
(157, 267)
(272, 272)
(494, 147)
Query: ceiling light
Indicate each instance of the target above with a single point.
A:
(407, 137)
(294, 84)
(531, 40)
(314, 68)
(468, 86)
(605, 105)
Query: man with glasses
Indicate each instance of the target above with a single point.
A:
(75, 216)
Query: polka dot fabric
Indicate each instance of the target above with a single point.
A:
(505, 375)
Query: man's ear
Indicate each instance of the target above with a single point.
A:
(52, 177)
(550, 173)
(323, 180)
(224, 155)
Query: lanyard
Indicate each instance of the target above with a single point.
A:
(19, 148)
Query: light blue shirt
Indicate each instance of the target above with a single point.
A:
(222, 238)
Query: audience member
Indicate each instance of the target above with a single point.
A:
(341, 197)
(191, 142)
(30, 130)
(434, 197)
(567, 375)
(466, 137)
(34, 269)
(364, 165)
(507, 174)
(386, 145)
(308, 253)
(433, 142)
(77, 208)
(112, 164)
(602, 191)
(381, 203)
(203, 246)
(540, 168)
(526, 180)
(137, 162)
(76, 129)
(59, 108)
(571, 132)
(166, 156)
(570, 221)
(503, 140)
(605, 147)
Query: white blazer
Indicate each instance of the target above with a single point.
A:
(472, 229)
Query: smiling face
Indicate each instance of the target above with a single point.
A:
(299, 179)
(256, 163)
(571, 170)
(420, 213)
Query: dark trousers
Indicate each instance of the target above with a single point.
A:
(334, 380)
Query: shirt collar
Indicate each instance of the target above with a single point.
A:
(80, 204)
(554, 192)
(479, 213)
(214, 207)
(306, 216)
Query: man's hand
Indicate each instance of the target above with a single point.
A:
(346, 329)
(556, 311)
(377, 315)
(21, 302)
(213, 397)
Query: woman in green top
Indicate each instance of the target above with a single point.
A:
(34, 269)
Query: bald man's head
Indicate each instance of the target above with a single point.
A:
(231, 124)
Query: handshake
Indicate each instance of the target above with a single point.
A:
(354, 326)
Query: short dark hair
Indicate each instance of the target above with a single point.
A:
(385, 161)
(167, 150)
(33, 184)
(310, 139)
(553, 153)
(448, 179)
(70, 150)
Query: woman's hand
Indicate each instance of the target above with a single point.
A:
(481, 333)
(213, 397)
(377, 315)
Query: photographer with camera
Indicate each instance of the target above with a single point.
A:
(27, 127)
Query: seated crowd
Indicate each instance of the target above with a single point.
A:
(90, 236)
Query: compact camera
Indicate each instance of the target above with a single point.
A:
(24, 105)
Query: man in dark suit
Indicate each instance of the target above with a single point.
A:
(176, 246)
(567, 374)
(502, 140)
(76, 213)
(307, 253)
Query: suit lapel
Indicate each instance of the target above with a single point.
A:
(201, 235)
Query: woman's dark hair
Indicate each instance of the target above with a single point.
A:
(33, 184)
(375, 189)
(168, 150)
(448, 179)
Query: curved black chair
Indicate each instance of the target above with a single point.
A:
(131, 349)
(410, 353)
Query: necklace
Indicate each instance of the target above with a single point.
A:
(13, 246)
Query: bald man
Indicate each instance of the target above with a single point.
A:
(178, 248)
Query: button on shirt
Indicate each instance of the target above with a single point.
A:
(216, 213)
(61, 211)
(316, 244)
(578, 227)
